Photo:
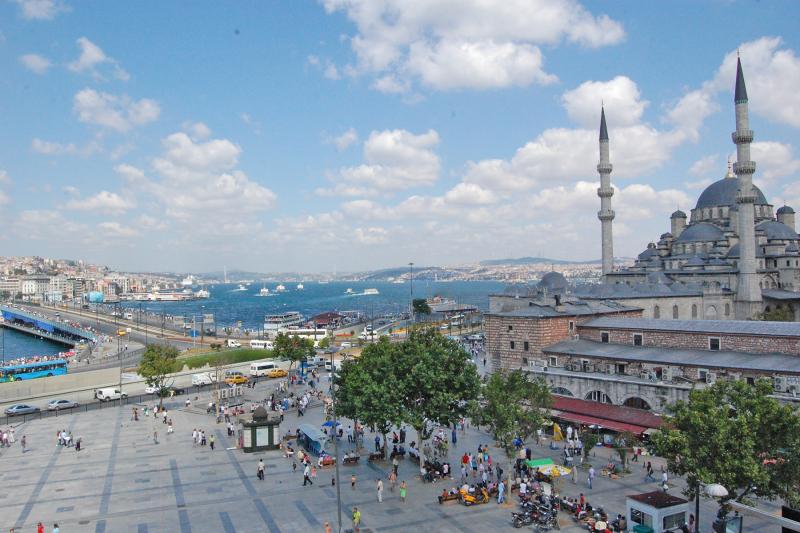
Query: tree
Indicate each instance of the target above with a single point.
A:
(158, 361)
(779, 314)
(589, 441)
(512, 405)
(292, 348)
(420, 306)
(736, 435)
(366, 388)
(622, 445)
(436, 383)
(324, 342)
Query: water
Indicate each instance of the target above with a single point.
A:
(230, 306)
(17, 344)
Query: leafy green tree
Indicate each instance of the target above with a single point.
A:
(589, 441)
(366, 388)
(420, 306)
(436, 383)
(779, 314)
(324, 342)
(512, 405)
(292, 348)
(158, 362)
(736, 435)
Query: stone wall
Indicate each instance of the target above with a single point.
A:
(697, 341)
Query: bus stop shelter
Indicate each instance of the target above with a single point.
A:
(312, 439)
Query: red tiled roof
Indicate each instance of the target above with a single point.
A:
(604, 414)
(608, 424)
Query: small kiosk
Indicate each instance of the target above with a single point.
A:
(655, 512)
(312, 439)
(262, 433)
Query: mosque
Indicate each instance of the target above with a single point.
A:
(731, 258)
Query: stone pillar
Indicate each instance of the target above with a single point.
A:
(677, 223)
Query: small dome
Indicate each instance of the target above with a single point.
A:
(792, 249)
(777, 230)
(678, 214)
(717, 262)
(695, 261)
(666, 235)
(734, 251)
(647, 254)
(260, 413)
(658, 278)
(785, 210)
(553, 281)
(723, 192)
(701, 231)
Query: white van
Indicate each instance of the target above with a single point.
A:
(337, 365)
(109, 393)
(260, 344)
(128, 316)
(205, 378)
(233, 343)
(261, 369)
(319, 360)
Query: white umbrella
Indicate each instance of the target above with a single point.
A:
(715, 490)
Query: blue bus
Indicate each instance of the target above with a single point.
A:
(56, 367)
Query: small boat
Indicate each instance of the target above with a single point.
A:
(399, 281)
(323, 282)
(300, 287)
(348, 291)
(202, 293)
(280, 288)
(240, 288)
(370, 292)
(263, 292)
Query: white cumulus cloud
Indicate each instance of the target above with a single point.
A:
(92, 58)
(41, 9)
(102, 202)
(117, 112)
(35, 63)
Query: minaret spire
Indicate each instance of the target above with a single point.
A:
(748, 292)
(605, 192)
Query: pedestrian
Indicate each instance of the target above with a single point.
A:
(211, 442)
(591, 476)
(636, 454)
(395, 464)
(379, 487)
(24, 442)
(392, 480)
(377, 443)
(307, 475)
(260, 473)
(39, 528)
(55, 528)
(454, 436)
(664, 480)
(327, 528)
(353, 481)
(501, 492)
(294, 466)
(691, 524)
(313, 472)
(356, 520)
(155, 437)
(78, 444)
(649, 475)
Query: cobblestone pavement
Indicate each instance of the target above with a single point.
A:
(121, 481)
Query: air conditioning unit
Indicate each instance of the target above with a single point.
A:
(779, 383)
(711, 377)
(666, 374)
(611, 369)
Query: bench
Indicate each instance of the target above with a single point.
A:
(351, 460)
(377, 456)
(447, 497)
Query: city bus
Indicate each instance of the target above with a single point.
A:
(56, 367)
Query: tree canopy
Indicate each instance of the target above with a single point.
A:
(420, 306)
(512, 405)
(158, 361)
(736, 435)
(292, 348)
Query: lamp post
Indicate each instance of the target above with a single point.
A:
(714, 490)
(336, 448)
(411, 296)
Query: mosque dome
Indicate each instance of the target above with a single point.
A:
(723, 192)
(785, 210)
(777, 230)
(678, 214)
(695, 261)
(553, 281)
(701, 231)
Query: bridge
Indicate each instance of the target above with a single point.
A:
(43, 327)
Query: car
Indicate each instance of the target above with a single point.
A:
(151, 389)
(21, 409)
(171, 391)
(55, 405)
(237, 379)
(277, 373)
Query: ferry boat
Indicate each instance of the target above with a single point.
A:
(170, 296)
(300, 287)
(399, 281)
(349, 291)
(370, 292)
(263, 292)
(188, 281)
(202, 293)
(280, 288)
(282, 320)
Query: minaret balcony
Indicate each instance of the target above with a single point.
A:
(606, 215)
(748, 197)
(744, 167)
(742, 137)
(603, 192)
(604, 168)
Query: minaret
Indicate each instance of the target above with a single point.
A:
(748, 293)
(605, 192)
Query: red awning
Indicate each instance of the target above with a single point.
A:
(603, 423)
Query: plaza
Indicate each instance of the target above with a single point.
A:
(121, 481)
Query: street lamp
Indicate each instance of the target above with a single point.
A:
(336, 447)
(713, 490)
(411, 295)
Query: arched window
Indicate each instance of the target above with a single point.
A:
(694, 310)
(656, 312)
(727, 309)
(675, 312)
(598, 396)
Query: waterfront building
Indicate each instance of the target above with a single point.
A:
(734, 259)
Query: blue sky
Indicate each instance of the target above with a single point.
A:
(355, 134)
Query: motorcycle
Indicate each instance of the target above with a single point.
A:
(523, 519)
(473, 499)
(547, 520)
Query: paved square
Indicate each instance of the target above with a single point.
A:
(122, 481)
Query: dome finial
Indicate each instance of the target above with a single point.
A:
(730, 173)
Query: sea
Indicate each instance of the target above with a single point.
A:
(232, 307)
(15, 344)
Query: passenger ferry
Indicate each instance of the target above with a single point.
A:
(280, 288)
(282, 320)
(300, 287)
(263, 292)
(370, 292)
